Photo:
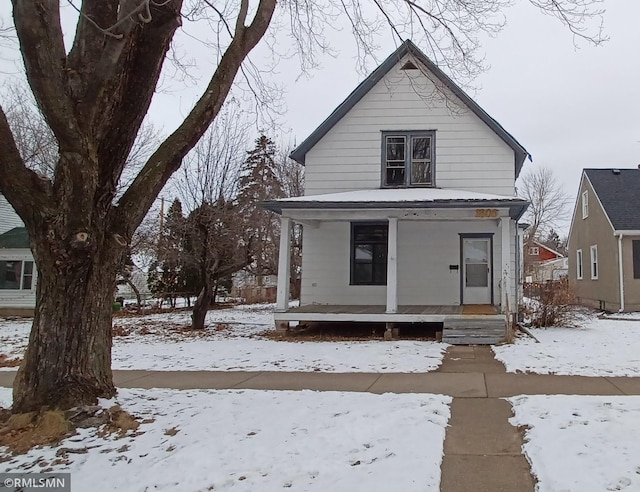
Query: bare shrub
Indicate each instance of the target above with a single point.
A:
(555, 305)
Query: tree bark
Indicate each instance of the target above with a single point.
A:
(201, 307)
(68, 360)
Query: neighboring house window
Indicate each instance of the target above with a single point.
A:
(534, 250)
(594, 262)
(636, 258)
(369, 254)
(579, 264)
(408, 158)
(16, 275)
(585, 204)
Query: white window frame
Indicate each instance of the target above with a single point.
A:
(533, 250)
(579, 264)
(23, 275)
(593, 250)
(585, 204)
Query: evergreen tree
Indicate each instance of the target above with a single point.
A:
(259, 182)
(166, 276)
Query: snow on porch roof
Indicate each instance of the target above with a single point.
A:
(400, 198)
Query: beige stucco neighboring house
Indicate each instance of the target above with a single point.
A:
(604, 240)
(409, 212)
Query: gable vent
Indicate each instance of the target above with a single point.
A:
(615, 171)
(409, 66)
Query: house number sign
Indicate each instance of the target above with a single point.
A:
(486, 212)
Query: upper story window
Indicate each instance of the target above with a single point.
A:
(534, 251)
(585, 204)
(408, 158)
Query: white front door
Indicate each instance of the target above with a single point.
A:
(476, 271)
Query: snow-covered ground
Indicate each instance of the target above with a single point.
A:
(259, 440)
(233, 342)
(599, 347)
(581, 443)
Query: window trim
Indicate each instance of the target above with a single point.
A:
(32, 275)
(579, 272)
(533, 250)
(585, 204)
(594, 261)
(408, 135)
(352, 252)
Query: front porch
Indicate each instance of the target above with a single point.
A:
(467, 324)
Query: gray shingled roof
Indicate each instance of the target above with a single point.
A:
(15, 238)
(367, 84)
(619, 193)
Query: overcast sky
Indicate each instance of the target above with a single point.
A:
(570, 108)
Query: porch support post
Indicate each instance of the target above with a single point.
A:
(392, 266)
(505, 264)
(284, 265)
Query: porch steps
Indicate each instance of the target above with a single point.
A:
(476, 331)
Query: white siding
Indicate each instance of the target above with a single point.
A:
(469, 155)
(425, 251)
(8, 217)
(18, 298)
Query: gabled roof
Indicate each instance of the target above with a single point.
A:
(367, 84)
(619, 193)
(16, 238)
(542, 245)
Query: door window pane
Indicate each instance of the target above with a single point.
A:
(476, 251)
(477, 275)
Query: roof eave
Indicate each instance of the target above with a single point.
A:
(516, 207)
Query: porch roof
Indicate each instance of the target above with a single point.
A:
(401, 198)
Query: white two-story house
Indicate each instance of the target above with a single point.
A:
(409, 212)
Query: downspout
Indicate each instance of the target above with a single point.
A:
(621, 272)
(518, 273)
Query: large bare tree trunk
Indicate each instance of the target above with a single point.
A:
(68, 360)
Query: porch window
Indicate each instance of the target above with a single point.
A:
(369, 254)
(16, 275)
(594, 262)
(636, 258)
(408, 158)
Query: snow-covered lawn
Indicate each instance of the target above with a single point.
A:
(581, 443)
(259, 440)
(232, 342)
(600, 347)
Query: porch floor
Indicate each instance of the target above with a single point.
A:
(411, 310)
(467, 324)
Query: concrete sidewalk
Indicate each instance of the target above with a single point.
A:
(467, 372)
